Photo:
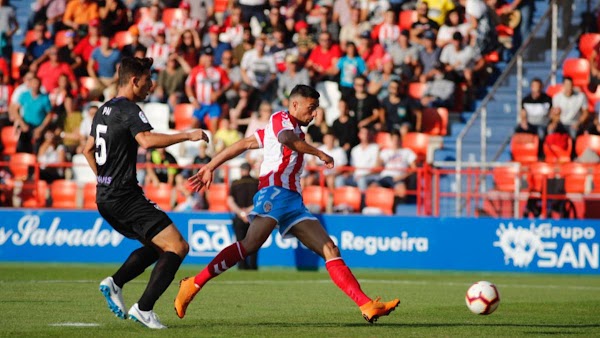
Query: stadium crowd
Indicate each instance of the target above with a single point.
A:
(230, 64)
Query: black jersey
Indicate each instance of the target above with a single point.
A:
(114, 128)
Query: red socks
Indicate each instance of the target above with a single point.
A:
(345, 280)
(224, 260)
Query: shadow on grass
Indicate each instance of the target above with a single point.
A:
(399, 325)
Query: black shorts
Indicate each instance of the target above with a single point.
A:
(135, 217)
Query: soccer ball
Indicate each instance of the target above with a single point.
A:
(482, 298)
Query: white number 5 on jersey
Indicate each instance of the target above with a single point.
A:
(101, 144)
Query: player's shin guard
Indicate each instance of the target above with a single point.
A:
(162, 276)
(135, 265)
(226, 259)
(345, 280)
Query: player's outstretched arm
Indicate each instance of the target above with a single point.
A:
(88, 152)
(148, 139)
(292, 141)
(204, 177)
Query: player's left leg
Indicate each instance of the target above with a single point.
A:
(312, 234)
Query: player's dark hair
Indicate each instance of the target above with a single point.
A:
(305, 91)
(133, 67)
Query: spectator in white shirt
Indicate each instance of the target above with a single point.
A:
(332, 177)
(364, 159)
(573, 105)
(397, 163)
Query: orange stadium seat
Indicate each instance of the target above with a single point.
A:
(587, 42)
(29, 37)
(578, 70)
(169, 14)
(122, 39)
(407, 18)
(315, 196)
(554, 154)
(554, 89)
(347, 196)
(383, 140)
(380, 198)
(216, 197)
(524, 147)
(161, 195)
(15, 64)
(586, 141)
(86, 85)
(60, 39)
(34, 196)
(183, 116)
(575, 175)
(537, 173)
(417, 142)
(596, 179)
(20, 164)
(89, 196)
(9, 140)
(504, 177)
(416, 90)
(435, 121)
(64, 194)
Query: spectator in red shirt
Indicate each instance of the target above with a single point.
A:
(51, 70)
(86, 46)
(4, 72)
(321, 63)
(370, 51)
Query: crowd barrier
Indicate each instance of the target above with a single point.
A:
(484, 244)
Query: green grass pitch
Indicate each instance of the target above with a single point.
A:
(38, 299)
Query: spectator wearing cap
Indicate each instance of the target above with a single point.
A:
(49, 71)
(350, 32)
(321, 63)
(294, 75)
(460, 61)
(453, 23)
(423, 24)
(35, 53)
(389, 31)
(204, 86)
(170, 85)
(79, 13)
(8, 27)
(258, 74)
(380, 79)
(217, 46)
(429, 58)
(326, 23)
(113, 17)
(234, 31)
(349, 67)
(102, 67)
(84, 48)
(240, 202)
(405, 56)
(150, 25)
(371, 51)
(159, 51)
(130, 49)
(184, 21)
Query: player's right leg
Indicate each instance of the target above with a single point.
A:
(258, 232)
(312, 234)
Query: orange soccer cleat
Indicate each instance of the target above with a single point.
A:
(374, 309)
(187, 292)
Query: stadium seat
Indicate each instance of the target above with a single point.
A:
(29, 37)
(575, 175)
(15, 64)
(586, 141)
(169, 14)
(158, 115)
(435, 121)
(554, 89)
(89, 196)
(592, 97)
(537, 173)
(504, 177)
(60, 39)
(122, 39)
(64, 194)
(161, 195)
(216, 197)
(417, 142)
(554, 154)
(183, 116)
(34, 195)
(82, 173)
(416, 90)
(315, 197)
(596, 179)
(9, 140)
(587, 42)
(347, 197)
(407, 18)
(383, 140)
(380, 198)
(492, 57)
(20, 165)
(86, 85)
(524, 147)
(578, 70)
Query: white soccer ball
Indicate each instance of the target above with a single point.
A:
(482, 298)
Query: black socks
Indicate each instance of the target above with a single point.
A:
(135, 265)
(162, 276)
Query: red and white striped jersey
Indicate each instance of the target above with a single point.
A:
(160, 54)
(281, 166)
(388, 34)
(205, 81)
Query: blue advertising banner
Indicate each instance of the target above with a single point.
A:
(365, 241)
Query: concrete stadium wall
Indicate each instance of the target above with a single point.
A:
(390, 242)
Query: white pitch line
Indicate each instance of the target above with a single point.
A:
(327, 281)
(75, 324)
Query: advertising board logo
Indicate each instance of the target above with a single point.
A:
(208, 236)
(553, 246)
